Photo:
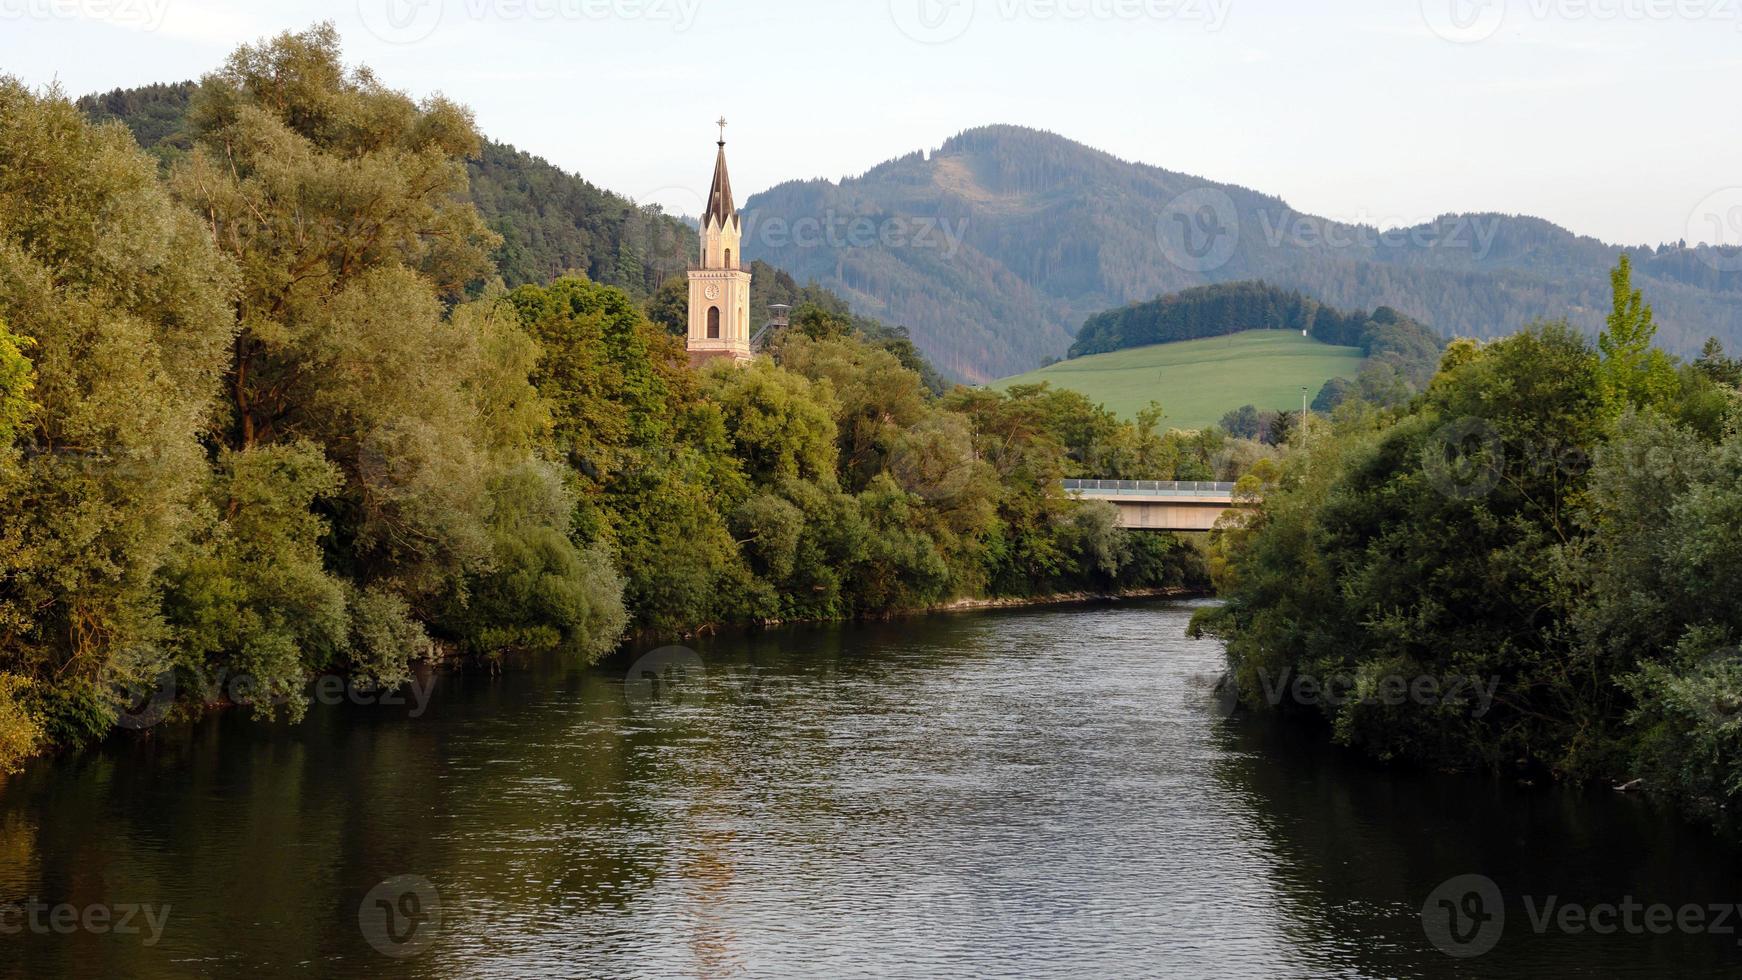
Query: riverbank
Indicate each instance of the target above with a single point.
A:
(1067, 599)
(962, 605)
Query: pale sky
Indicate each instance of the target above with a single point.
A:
(1614, 118)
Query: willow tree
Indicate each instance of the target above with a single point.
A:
(343, 203)
(128, 309)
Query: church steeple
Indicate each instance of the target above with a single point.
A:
(720, 207)
(720, 284)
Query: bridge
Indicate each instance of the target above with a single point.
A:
(1157, 505)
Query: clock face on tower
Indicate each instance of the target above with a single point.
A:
(713, 291)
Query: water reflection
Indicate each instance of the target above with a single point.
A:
(1040, 792)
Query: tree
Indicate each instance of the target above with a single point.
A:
(17, 379)
(1714, 365)
(127, 305)
(669, 306)
(1374, 557)
(344, 205)
(1634, 373)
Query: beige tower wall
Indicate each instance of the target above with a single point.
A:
(722, 285)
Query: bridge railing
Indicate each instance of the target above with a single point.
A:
(1182, 488)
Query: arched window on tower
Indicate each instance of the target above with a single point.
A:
(728, 258)
(713, 323)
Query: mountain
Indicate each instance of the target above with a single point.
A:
(996, 247)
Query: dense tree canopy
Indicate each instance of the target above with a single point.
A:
(126, 305)
(1555, 523)
(267, 412)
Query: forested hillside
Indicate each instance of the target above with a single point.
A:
(1034, 233)
(550, 221)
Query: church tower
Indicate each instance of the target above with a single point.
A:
(720, 284)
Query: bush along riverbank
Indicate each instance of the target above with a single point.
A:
(267, 413)
(1552, 522)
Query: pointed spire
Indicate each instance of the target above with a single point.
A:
(720, 195)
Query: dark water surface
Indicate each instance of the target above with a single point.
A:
(1047, 792)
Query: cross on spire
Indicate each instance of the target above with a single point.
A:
(722, 125)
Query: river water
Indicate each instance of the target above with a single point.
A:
(1040, 792)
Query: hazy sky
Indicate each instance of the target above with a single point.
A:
(1615, 118)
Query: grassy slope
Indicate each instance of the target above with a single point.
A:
(1198, 381)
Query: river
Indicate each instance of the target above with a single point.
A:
(1042, 792)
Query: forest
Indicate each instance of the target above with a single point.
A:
(279, 402)
(1555, 520)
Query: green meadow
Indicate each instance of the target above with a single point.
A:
(1198, 381)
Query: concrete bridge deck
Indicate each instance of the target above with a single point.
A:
(1158, 505)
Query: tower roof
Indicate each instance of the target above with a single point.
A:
(720, 195)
